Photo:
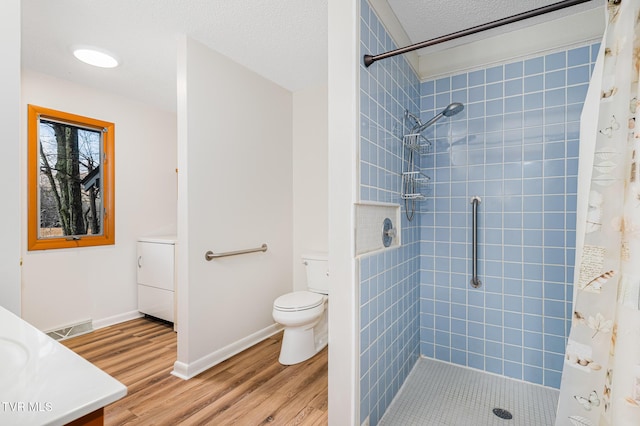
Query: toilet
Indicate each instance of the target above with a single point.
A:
(303, 314)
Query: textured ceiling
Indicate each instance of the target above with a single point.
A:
(426, 19)
(282, 40)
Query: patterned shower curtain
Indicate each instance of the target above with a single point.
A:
(601, 374)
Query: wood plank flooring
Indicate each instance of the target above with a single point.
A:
(251, 388)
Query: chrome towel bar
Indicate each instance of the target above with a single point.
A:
(211, 255)
(475, 281)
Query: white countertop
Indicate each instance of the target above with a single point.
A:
(43, 382)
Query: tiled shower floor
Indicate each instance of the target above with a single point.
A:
(438, 394)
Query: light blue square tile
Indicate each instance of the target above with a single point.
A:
(513, 87)
(533, 101)
(555, 61)
(494, 90)
(459, 81)
(476, 78)
(476, 94)
(513, 70)
(459, 357)
(578, 56)
(513, 320)
(514, 103)
(534, 83)
(493, 300)
(577, 93)
(427, 88)
(494, 123)
(532, 374)
(512, 303)
(554, 344)
(533, 357)
(555, 79)
(493, 317)
(494, 74)
(513, 336)
(443, 85)
(459, 328)
(533, 66)
(475, 110)
(475, 345)
(553, 361)
(494, 107)
(552, 378)
(443, 99)
(578, 75)
(475, 329)
(443, 353)
(493, 365)
(475, 361)
(554, 326)
(513, 370)
(493, 349)
(553, 308)
(533, 341)
(533, 118)
(513, 121)
(513, 353)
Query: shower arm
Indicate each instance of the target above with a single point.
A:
(370, 59)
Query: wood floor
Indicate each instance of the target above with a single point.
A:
(251, 388)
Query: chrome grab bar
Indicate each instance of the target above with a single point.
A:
(211, 255)
(475, 281)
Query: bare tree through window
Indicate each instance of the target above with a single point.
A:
(70, 180)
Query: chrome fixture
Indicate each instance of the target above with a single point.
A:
(370, 59)
(415, 144)
(451, 109)
(211, 255)
(475, 281)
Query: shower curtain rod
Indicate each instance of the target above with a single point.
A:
(370, 59)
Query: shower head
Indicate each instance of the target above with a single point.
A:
(451, 109)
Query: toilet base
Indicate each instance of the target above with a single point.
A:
(301, 343)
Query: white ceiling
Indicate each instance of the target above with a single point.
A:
(282, 40)
(425, 20)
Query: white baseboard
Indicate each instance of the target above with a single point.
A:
(116, 319)
(187, 371)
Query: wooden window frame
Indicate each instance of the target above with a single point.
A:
(107, 186)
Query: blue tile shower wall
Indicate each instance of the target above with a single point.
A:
(389, 281)
(516, 147)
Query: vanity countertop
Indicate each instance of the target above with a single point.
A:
(43, 382)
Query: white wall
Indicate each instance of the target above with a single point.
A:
(344, 54)
(235, 186)
(66, 286)
(10, 153)
(310, 177)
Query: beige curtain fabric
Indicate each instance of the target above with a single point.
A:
(601, 374)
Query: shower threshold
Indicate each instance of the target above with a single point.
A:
(438, 393)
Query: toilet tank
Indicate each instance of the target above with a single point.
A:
(317, 267)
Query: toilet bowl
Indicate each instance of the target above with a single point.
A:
(303, 314)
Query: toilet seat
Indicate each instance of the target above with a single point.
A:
(298, 301)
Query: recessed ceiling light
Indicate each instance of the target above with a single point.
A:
(95, 57)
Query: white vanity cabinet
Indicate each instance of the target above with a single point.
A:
(156, 277)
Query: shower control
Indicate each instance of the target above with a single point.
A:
(388, 232)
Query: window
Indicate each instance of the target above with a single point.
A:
(70, 180)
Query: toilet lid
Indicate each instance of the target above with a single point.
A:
(298, 301)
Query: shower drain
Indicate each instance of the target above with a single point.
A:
(502, 413)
